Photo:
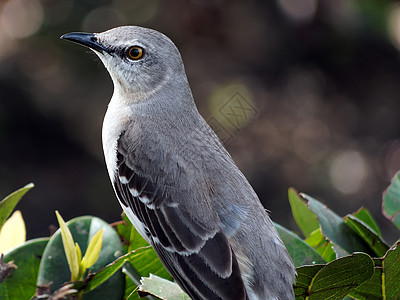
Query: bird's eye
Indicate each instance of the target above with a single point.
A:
(135, 52)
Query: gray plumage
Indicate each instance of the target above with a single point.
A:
(175, 180)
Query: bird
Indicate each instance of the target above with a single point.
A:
(175, 180)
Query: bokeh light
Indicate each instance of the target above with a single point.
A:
(21, 18)
(394, 25)
(348, 171)
(299, 10)
(103, 18)
(319, 81)
(389, 159)
(311, 140)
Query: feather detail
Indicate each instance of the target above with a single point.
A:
(197, 255)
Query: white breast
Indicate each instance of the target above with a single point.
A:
(115, 122)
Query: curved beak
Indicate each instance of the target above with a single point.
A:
(85, 39)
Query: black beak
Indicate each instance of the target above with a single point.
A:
(85, 39)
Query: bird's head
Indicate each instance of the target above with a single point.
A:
(140, 60)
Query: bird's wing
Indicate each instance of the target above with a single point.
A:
(196, 253)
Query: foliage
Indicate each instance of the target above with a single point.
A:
(359, 263)
(13, 232)
(55, 267)
(77, 264)
(339, 257)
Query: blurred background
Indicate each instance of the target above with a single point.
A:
(304, 93)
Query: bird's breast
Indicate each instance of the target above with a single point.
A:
(115, 122)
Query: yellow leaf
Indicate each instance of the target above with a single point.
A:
(81, 262)
(13, 232)
(78, 252)
(93, 250)
(69, 248)
(82, 268)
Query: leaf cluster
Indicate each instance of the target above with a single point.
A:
(337, 257)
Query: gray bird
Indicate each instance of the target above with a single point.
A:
(176, 182)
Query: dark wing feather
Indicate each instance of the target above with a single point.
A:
(199, 257)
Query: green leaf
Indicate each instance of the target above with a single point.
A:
(391, 201)
(146, 262)
(102, 275)
(335, 230)
(304, 279)
(304, 217)
(130, 290)
(323, 247)
(300, 252)
(161, 288)
(375, 242)
(131, 238)
(334, 280)
(391, 271)
(364, 215)
(54, 267)
(93, 250)
(339, 251)
(132, 286)
(142, 264)
(8, 204)
(385, 283)
(131, 273)
(71, 250)
(372, 288)
(21, 285)
(109, 270)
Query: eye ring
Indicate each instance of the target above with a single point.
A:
(135, 52)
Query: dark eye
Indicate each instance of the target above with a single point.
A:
(135, 52)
